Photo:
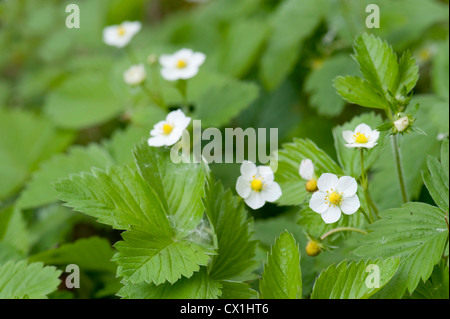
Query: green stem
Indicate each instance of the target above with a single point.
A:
(339, 229)
(182, 88)
(131, 54)
(398, 162)
(154, 98)
(365, 184)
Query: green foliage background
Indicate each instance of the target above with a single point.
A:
(71, 136)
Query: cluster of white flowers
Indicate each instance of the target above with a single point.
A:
(334, 196)
(331, 195)
(182, 65)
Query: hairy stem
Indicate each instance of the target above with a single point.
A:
(339, 229)
(365, 185)
(398, 162)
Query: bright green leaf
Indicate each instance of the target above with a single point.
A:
(33, 281)
(354, 280)
(282, 278)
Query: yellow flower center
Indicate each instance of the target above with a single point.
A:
(311, 185)
(257, 185)
(334, 198)
(121, 31)
(360, 138)
(167, 129)
(181, 64)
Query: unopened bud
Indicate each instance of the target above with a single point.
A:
(402, 124)
(313, 248)
(311, 185)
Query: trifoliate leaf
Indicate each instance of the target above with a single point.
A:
(282, 278)
(33, 281)
(160, 206)
(199, 286)
(39, 190)
(417, 233)
(288, 164)
(354, 280)
(284, 45)
(25, 140)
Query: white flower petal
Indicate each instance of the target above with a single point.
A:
(347, 185)
(170, 74)
(243, 187)
(326, 182)
(332, 215)
(350, 205)
(306, 169)
(188, 72)
(132, 27)
(178, 119)
(266, 173)
(317, 202)
(363, 129)
(271, 192)
(157, 141)
(248, 169)
(374, 136)
(348, 136)
(198, 59)
(255, 200)
(166, 60)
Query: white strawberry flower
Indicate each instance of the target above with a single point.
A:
(362, 137)
(169, 131)
(120, 35)
(135, 75)
(335, 195)
(306, 172)
(256, 185)
(182, 65)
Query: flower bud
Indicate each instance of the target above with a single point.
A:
(152, 59)
(135, 75)
(402, 124)
(313, 248)
(311, 185)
